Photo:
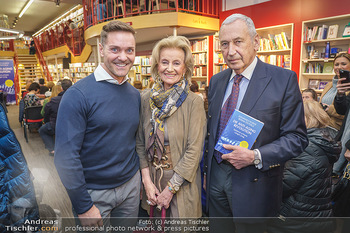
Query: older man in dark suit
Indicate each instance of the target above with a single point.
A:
(248, 183)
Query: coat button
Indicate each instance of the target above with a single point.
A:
(256, 179)
(209, 116)
(208, 134)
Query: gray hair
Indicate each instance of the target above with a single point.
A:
(248, 21)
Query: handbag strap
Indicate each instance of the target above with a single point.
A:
(346, 174)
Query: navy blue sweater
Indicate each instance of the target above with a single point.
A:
(95, 138)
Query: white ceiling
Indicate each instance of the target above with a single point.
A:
(39, 14)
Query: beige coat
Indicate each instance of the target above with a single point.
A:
(336, 119)
(186, 131)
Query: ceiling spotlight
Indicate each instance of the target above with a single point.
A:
(57, 3)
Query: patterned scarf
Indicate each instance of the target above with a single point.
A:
(163, 104)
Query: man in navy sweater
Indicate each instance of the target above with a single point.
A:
(95, 136)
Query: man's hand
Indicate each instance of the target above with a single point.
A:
(91, 218)
(240, 157)
(347, 155)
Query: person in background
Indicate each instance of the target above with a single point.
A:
(309, 94)
(342, 60)
(31, 98)
(27, 87)
(341, 105)
(138, 85)
(50, 85)
(247, 183)
(170, 144)
(43, 88)
(47, 131)
(32, 50)
(150, 83)
(55, 91)
(95, 153)
(307, 182)
(195, 88)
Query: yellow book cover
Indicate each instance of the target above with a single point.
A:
(285, 40)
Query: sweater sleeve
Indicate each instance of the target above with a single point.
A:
(70, 131)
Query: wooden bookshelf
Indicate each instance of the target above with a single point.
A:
(314, 65)
(218, 60)
(279, 54)
(276, 45)
(199, 47)
(81, 70)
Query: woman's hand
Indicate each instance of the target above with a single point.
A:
(164, 198)
(325, 107)
(151, 190)
(342, 87)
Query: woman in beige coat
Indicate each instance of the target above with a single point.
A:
(171, 133)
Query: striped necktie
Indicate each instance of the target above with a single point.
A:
(227, 111)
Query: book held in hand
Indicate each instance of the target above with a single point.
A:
(241, 130)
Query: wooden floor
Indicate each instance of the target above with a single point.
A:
(48, 186)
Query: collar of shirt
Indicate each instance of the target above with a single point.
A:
(248, 72)
(102, 75)
(243, 85)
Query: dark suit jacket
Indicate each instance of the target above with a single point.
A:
(273, 97)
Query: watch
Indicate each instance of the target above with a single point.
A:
(256, 160)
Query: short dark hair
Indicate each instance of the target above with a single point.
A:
(138, 85)
(41, 81)
(115, 26)
(34, 87)
(312, 91)
(194, 86)
(65, 84)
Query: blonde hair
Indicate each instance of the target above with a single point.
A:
(179, 42)
(50, 85)
(55, 91)
(315, 116)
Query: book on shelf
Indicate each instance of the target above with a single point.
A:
(328, 67)
(346, 32)
(277, 60)
(272, 41)
(332, 31)
(313, 84)
(279, 41)
(241, 130)
(322, 85)
(285, 40)
(322, 33)
(287, 61)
